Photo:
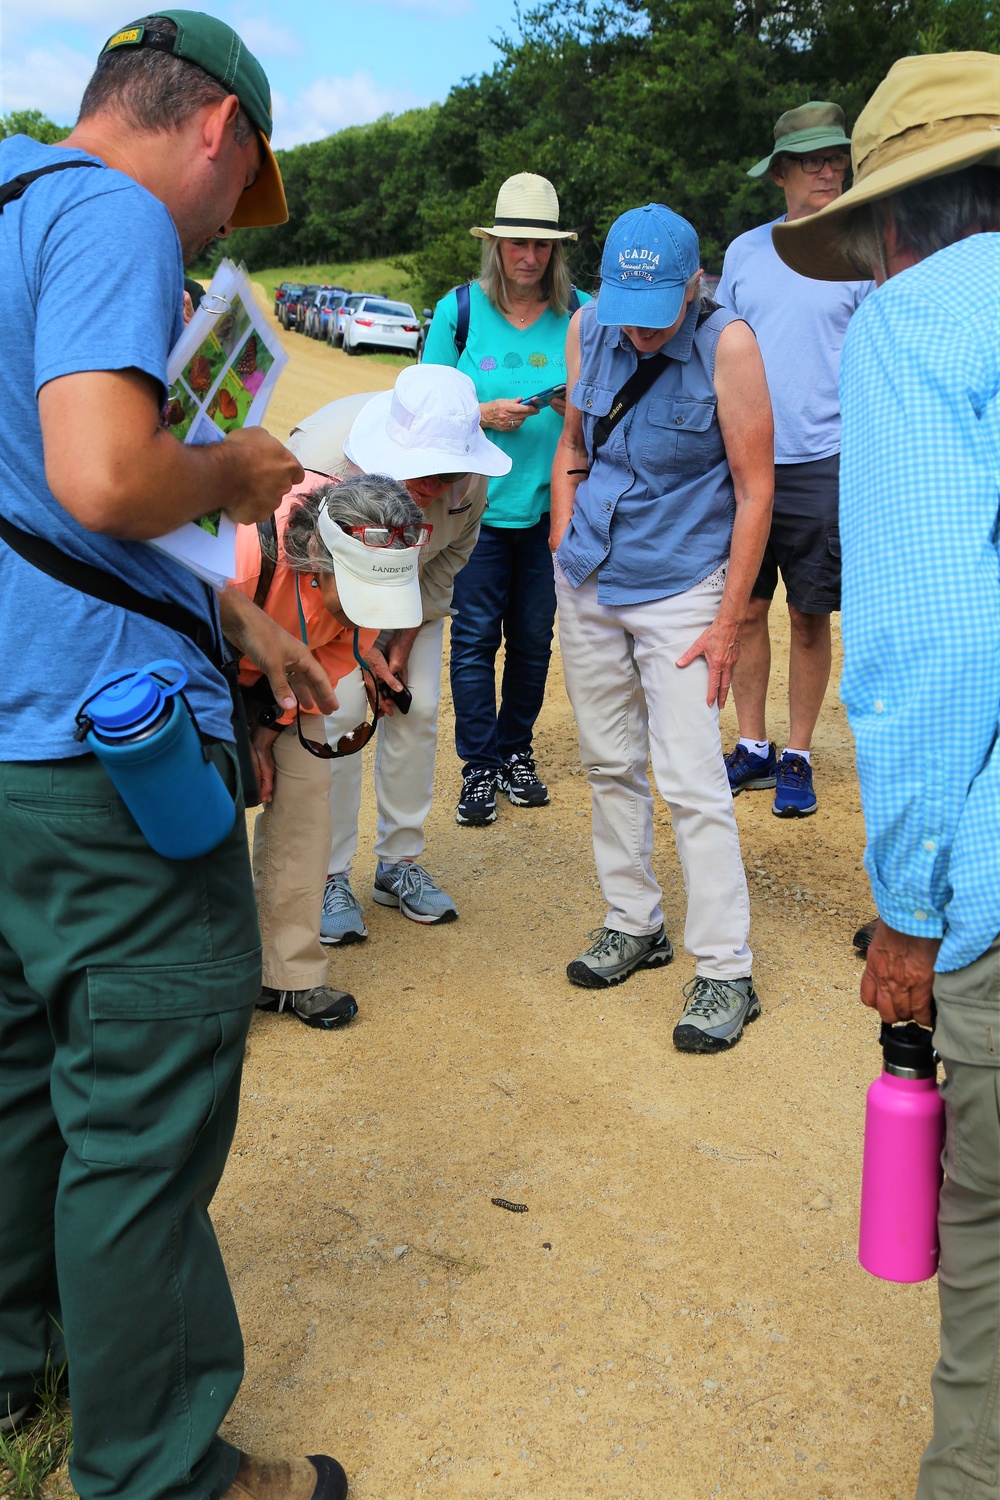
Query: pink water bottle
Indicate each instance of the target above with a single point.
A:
(901, 1177)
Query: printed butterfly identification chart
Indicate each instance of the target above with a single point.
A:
(221, 373)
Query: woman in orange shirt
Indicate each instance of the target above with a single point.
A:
(346, 569)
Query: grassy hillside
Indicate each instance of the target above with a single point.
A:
(384, 278)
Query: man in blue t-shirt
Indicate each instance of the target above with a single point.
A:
(800, 325)
(127, 981)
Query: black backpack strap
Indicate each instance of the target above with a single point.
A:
(463, 298)
(573, 301)
(267, 535)
(9, 191)
(87, 579)
(636, 386)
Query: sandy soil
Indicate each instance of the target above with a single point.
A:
(680, 1312)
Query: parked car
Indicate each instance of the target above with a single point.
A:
(379, 324)
(335, 333)
(279, 295)
(293, 309)
(428, 315)
(319, 313)
(293, 291)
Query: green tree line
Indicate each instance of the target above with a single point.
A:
(618, 102)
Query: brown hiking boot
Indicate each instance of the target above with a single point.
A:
(315, 1478)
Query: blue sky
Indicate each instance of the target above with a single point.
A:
(329, 65)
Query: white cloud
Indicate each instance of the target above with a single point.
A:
(267, 39)
(330, 104)
(52, 80)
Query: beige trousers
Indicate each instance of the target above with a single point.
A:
(962, 1460)
(291, 843)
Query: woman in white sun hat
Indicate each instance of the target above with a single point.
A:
(508, 332)
(344, 565)
(424, 433)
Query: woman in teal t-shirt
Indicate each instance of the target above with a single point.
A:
(515, 347)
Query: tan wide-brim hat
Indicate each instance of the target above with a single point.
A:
(527, 209)
(930, 115)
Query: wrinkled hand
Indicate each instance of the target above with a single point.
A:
(263, 471)
(261, 741)
(293, 672)
(899, 976)
(720, 646)
(382, 673)
(505, 416)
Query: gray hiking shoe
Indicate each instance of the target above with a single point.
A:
(321, 1006)
(417, 894)
(615, 955)
(343, 920)
(715, 1014)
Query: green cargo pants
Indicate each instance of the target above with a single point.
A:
(962, 1460)
(127, 984)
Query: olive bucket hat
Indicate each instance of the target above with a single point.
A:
(929, 116)
(816, 126)
(216, 48)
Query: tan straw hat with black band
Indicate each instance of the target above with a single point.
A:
(929, 116)
(527, 209)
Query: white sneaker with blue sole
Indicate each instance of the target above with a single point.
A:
(408, 886)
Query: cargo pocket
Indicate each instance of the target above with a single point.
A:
(167, 1043)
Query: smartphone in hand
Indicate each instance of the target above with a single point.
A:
(544, 397)
(402, 697)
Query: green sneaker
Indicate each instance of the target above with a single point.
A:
(715, 1014)
(615, 955)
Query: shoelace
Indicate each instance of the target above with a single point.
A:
(608, 942)
(413, 880)
(338, 897)
(521, 769)
(794, 771)
(708, 996)
(479, 786)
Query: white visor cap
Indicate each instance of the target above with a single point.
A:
(379, 587)
(427, 424)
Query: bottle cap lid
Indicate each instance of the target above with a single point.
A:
(126, 704)
(908, 1050)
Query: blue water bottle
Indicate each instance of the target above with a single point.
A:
(141, 730)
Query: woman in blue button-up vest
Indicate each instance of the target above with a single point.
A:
(661, 504)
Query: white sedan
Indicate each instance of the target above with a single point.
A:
(378, 323)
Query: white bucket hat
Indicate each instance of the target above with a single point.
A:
(379, 587)
(427, 424)
(527, 209)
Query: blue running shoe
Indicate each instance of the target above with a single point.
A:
(795, 797)
(749, 772)
(414, 891)
(343, 920)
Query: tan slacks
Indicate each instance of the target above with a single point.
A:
(291, 844)
(962, 1460)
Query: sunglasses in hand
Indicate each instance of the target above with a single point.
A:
(357, 739)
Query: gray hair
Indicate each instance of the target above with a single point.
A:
(926, 216)
(368, 500)
(555, 283)
(153, 91)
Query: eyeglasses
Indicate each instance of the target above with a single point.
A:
(839, 161)
(357, 739)
(414, 535)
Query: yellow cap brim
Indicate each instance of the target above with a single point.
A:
(811, 246)
(264, 203)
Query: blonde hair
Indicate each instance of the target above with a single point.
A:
(555, 283)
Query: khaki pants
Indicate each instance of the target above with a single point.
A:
(962, 1460)
(291, 843)
(633, 706)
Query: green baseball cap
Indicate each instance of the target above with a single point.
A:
(216, 48)
(816, 126)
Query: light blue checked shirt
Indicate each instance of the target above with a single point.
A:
(919, 497)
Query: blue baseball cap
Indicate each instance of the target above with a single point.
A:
(649, 257)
